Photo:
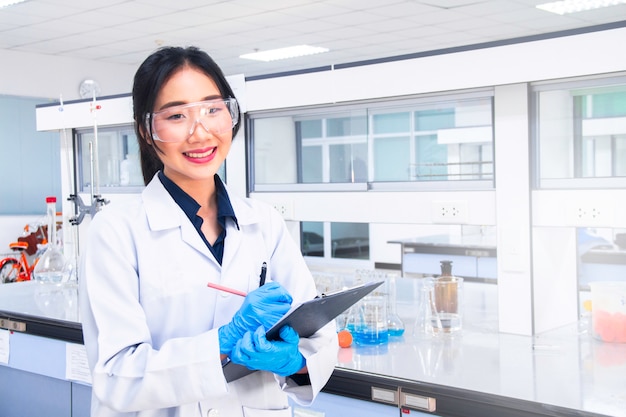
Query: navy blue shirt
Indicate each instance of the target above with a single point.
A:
(190, 207)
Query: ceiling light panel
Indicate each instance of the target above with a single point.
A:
(7, 3)
(284, 53)
(575, 6)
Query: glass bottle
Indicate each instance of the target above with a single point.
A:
(52, 267)
(445, 301)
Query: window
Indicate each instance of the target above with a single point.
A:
(581, 133)
(118, 159)
(411, 141)
(119, 167)
(350, 240)
(341, 141)
(601, 254)
(312, 239)
(347, 240)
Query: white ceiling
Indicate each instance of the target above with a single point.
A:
(126, 31)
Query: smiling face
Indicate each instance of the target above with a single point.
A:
(197, 158)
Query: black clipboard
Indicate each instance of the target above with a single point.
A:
(309, 317)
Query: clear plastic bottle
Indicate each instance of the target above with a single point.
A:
(52, 267)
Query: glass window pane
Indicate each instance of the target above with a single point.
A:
(610, 104)
(350, 240)
(348, 163)
(597, 257)
(312, 164)
(619, 157)
(391, 123)
(434, 119)
(392, 159)
(431, 159)
(581, 131)
(436, 140)
(311, 129)
(346, 126)
(118, 158)
(275, 142)
(312, 238)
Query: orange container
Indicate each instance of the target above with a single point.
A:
(608, 311)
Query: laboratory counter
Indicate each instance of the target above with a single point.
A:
(478, 372)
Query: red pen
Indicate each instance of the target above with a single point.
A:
(226, 289)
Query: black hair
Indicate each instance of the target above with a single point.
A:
(150, 77)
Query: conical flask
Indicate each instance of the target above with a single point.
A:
(52, 267)
(394, 322)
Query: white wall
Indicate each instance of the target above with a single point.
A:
(35, 75)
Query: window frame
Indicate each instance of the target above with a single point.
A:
(370, 107)
(573, 183)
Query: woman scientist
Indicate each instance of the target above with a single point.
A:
(155, 334)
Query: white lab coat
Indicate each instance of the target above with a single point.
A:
(150, 321)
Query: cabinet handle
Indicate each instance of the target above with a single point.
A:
(17, 326)
(386, 396)
(418, 402)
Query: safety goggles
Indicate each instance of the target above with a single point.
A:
(177, 124)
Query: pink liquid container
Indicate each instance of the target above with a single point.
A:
(608, 311)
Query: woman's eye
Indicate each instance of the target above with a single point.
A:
(211, 110)
(176, 116)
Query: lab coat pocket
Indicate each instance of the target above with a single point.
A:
(254, 412)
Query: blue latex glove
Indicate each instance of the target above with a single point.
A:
(261, 307)
(281, 357)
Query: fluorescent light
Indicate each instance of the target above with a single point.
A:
(573, 6)
(284, 53)
(6, 3)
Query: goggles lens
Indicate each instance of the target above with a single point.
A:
(177, 124)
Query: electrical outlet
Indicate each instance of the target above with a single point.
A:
(455, 212)
(590, 215)
(285, 208)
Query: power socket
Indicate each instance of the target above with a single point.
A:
(285, 208)
(590, 214)
(452, 212)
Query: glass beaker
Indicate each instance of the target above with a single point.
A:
(445, 299)
(608, 311)
(370, 321)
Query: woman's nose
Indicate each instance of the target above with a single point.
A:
(197, 122)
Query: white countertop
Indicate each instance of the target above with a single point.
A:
(564, 367)
(52, 301)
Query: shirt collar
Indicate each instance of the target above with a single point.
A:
(190, 206)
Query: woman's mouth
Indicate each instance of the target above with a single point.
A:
(200, 155)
